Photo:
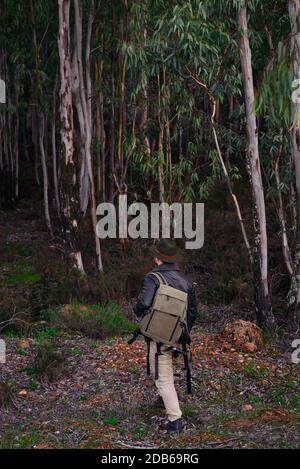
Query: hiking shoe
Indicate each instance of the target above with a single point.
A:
(175, 427)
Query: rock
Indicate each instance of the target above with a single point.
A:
(23, 392)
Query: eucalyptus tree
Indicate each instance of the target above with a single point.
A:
(12, 70)
(294, 13)
(260, 251)
(202, 43)
(280, 138)
(69, 198)
(82, 94)
(151, 104)
(38, 111)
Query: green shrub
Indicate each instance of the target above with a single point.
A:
(21, 441)
(111, 419)
(188, 410)
(60, 285)
(45, 334)
(48, 363)
(139, 433)
(233, 290)
(96, 321)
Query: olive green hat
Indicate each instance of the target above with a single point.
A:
(165, 250)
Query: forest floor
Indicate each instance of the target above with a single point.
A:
(102, 398)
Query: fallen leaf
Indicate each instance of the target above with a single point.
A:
(249, 347)
(24, 344)
(149, 382)
(215, 385)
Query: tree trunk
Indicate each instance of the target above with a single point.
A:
(82, 90)
(294, 293)
(16, 135)
(53, 142)
(144, 134)
(281, 215)
(100, 133)
(260, 252)
(161, 186)
(112, 118)
(89, 133)
(68, 187)
(8, 136)
(45, 171)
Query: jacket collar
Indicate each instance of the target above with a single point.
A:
(166, 266)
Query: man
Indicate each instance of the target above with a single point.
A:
(165, 256)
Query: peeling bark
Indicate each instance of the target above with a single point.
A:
(68, 183)
(260, 252)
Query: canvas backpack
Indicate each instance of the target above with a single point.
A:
(168, 316)
(166, 324)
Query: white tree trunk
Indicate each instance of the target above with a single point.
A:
(294, 294)
(68, 193)
(45, 171)
(53, 143)
(263, 304)
(82, 89)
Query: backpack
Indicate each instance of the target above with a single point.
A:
(167, 318)
(166, 324)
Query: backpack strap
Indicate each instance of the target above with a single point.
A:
(160, 278)
(187, 367)
(186, 360)
(185, 337)
(148, 340)
(158, 352)
(134, 337)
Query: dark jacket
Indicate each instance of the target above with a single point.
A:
(175, 278)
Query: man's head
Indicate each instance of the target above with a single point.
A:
(164, 251)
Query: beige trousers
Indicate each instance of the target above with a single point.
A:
(165, 381)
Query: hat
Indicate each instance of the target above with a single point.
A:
(165, 250)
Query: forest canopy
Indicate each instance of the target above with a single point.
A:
(160, 101)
